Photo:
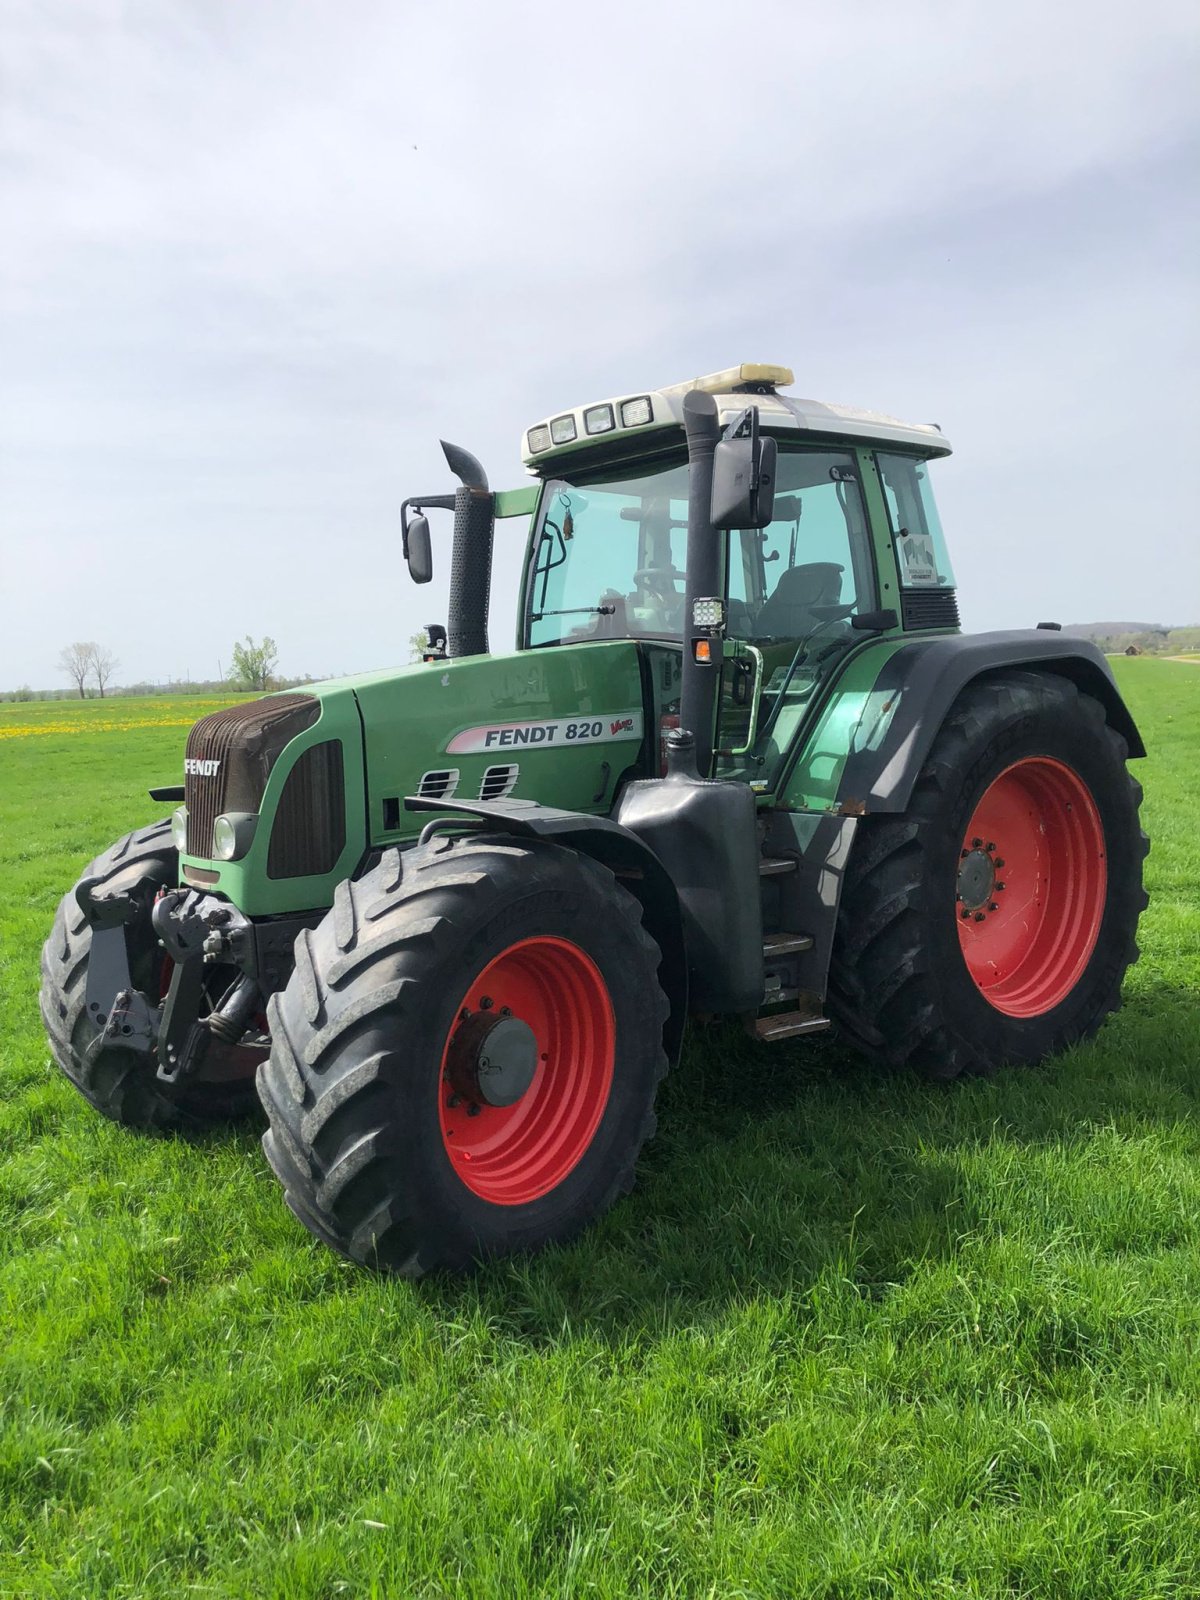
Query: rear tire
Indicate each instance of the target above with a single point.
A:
(122, 1084)
(946, 962)
(369, 1085)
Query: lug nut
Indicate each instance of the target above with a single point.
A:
(453, 1101)
(979, 916)
(472, 1109)
(997, 863)
(989, 845)
(993, 906)
(975, 843)
(486, 1004)
(1001, 886)
(965, 915)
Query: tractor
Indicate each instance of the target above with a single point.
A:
(448, 923)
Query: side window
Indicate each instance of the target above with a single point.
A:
(812, 567)
(912, 512)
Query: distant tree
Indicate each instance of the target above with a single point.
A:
(103, 665)
(76, 661)
(417, 643)
(253, 664)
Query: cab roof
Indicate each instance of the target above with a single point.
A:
(624, 417)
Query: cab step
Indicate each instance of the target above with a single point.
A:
(787, 1025)
(785, 944)
(771, 866)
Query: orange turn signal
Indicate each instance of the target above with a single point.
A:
(702, 649)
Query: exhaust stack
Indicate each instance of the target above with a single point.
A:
(471, 563)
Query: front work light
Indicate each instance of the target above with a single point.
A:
(232, 834)
(179, 829)
(538, 439)
(636, 413)
(562, 429)
(709, 614)
(599, 419)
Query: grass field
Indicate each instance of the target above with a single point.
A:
(849, 1337)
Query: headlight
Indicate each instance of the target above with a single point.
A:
(179, 829)
(232, 835)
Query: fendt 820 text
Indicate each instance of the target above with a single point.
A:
(448, 922)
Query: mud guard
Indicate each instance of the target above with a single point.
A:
(633, 863)
(922, 680)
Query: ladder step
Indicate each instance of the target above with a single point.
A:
(768, 866)
(787, 1025)
(786, 944)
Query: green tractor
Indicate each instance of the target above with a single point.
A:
(448, 923)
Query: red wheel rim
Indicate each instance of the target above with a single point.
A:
(1032, 883)
(513, 1154)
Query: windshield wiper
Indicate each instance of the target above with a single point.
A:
(576, 611)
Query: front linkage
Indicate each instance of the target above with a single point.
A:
(205, 939)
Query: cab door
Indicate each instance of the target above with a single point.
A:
(793, 589)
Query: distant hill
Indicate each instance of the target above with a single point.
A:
(1150, 638)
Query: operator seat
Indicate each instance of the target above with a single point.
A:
(788, 613)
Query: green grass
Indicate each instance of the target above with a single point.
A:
(850, 1337)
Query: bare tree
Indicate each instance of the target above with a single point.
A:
(76, 661)
(253, 664)
(103, 665)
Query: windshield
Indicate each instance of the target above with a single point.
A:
(610, 556)
(609, 559)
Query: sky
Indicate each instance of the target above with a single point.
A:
(256, 259)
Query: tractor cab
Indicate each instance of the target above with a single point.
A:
(853, 535)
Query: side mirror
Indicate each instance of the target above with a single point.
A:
(418, 551)
(743, 492)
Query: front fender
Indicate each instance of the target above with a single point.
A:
(631, 861)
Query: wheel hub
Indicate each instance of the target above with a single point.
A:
(492, 1058)
(976, 879)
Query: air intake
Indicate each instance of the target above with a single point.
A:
(929, 608)
(499, 782)
(438, 785)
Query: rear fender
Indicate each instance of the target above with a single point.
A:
(920, 682)
(631, 862)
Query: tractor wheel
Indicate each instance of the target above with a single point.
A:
(122, 1084)
(465, 1060)
(993, 922)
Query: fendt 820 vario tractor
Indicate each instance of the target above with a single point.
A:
(449, 921)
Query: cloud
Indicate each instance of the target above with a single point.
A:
(239, 307)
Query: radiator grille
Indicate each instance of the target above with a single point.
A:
(309, 831)
(230, 756)
(930, 608)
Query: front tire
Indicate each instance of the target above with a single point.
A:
(994, 921)
(465, 1060)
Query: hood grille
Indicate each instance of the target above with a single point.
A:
(230, 756)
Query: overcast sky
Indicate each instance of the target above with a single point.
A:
(256, 258)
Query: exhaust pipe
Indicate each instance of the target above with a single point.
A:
(471, 563)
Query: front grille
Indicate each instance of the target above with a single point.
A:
(929, 608)
(233, 752)
(309, 831)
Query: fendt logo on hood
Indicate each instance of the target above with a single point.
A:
(195, 768)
